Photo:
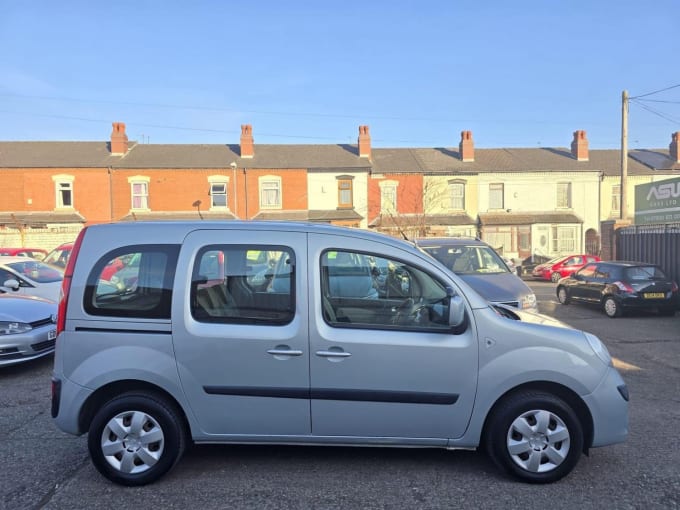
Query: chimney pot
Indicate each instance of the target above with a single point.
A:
(364, 142)
(579, 146)
(673, 147)
(466, 147)
(119, 140)
(247, 147)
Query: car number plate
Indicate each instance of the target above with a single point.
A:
(654, 295)
(52, 334)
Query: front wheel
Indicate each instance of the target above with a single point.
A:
(534, 436)
(136, 438)
(611, 307)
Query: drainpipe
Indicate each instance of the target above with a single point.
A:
(245, 178)
(110, 170)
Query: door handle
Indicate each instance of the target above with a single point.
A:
(333, 354)
(284, 352)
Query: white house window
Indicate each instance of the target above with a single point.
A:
(563, 239)
(563, 195)
(345, 199)
(139, 191)
(388, 196)
(496, 196)
(616, 198)
(457, 195)
(63, 185)
(218, 191)
(270, 192)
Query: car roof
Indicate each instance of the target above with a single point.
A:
(625, 263)
(449, 241)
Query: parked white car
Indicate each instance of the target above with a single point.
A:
(23, 276)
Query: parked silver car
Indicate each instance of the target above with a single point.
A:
(27, 328)
(356, 339)
(482, 268)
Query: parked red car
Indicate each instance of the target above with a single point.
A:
(34, 253)
(59, 256)
(562, 266)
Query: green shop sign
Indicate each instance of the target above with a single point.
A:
(658, 202)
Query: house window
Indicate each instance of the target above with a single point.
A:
(63, 185)
(139, 190)
(563, 239)
(616, 198)
(496, 195)
(345, 199)
(270, 192)
(218, 191)
(563, 195)
(457, 195)
(388, 196)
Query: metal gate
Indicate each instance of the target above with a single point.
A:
(656, 244)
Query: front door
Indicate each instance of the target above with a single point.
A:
(384, 362)
(241, 345)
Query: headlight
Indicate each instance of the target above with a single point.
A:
(599, 348)
(528, 301)
(12, 328)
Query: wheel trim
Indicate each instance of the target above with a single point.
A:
(132, 442)
(538, 441)
(610, 307)
(562, 295)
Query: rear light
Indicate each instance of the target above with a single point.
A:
(624, 287)
(66, 283)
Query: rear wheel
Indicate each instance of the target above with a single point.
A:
(563, 295)
(667, 312)
(611, 307)
(136, 438)
(534, 436)
(555, 277)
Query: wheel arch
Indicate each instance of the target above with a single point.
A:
(559, 390)
(102, 395)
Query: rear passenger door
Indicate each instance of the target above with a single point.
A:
(241, 341)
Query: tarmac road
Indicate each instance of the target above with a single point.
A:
(43, 468)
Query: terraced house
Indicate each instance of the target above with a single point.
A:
(535, 201)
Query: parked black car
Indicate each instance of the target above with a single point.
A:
(619, 286)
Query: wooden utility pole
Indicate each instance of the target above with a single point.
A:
(624, 154)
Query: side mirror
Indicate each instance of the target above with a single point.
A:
(11, 284)
(456, 311)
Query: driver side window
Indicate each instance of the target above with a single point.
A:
(368, 291)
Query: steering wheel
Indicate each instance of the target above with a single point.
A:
(410, 311)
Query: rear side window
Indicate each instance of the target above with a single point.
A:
(243, 284)
(134, 281)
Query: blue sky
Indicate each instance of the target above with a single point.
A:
(518, 74)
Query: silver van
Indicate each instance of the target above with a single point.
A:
(258, 332)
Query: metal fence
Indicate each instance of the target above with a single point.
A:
(657, 244)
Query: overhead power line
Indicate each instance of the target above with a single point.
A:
(656, 91)
(656, 112)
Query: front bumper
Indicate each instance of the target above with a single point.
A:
(609, 410)
(23, 347)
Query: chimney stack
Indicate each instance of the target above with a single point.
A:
(466, 147)
(247, 149)
(673, 147)
(364, 142)
(579, 147)
(119, 140)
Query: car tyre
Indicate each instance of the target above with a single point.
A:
(534, 436)
(136, 438)
(611, 307)
(555, 277)
(563, 295)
